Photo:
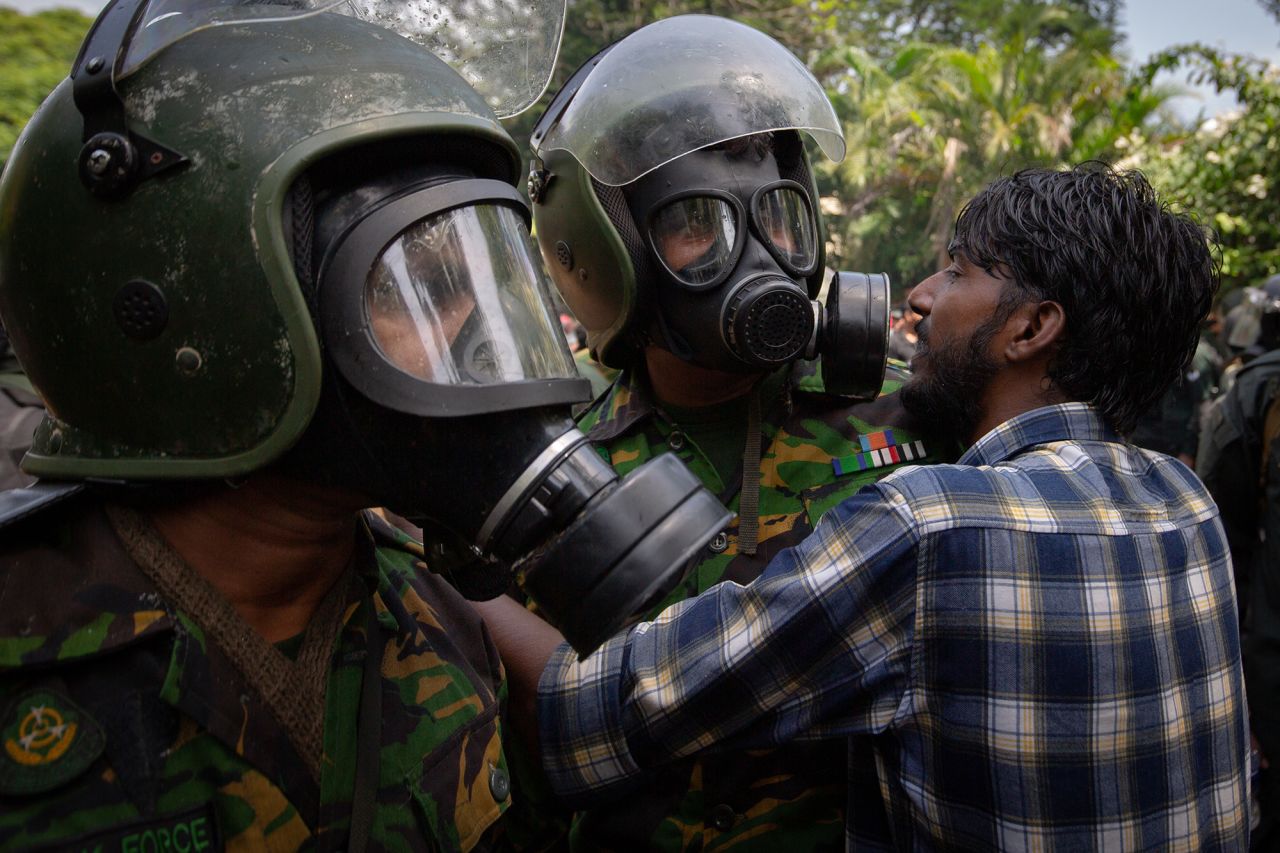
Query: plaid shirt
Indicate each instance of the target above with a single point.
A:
(1039, 643)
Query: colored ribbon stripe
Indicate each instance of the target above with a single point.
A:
(878, 449)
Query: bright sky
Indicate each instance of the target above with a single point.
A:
(1151, 25)
(1239, 26)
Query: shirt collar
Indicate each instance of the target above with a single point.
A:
(1064, 421)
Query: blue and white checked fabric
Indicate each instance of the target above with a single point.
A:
(1038, 645)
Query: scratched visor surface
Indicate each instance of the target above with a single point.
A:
(685, 83)
(506, 49)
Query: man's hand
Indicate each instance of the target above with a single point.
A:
(525, 643)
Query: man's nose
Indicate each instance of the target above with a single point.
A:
(921, 296)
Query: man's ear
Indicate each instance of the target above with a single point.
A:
(1035, 328)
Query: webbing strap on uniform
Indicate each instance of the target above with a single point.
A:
(749, 502)
(368, 735)
(294, 692)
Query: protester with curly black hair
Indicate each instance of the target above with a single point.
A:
(1039, 642)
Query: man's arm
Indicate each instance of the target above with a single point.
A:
(818, 645)
(526, 644)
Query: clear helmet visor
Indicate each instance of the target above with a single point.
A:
(783, 218)
(505, 49)
(684, 83)
(457, 299)
(695, 237)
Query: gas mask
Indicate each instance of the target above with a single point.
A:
(270, 276)
(654, 232)
(734, 251)
(450, 403)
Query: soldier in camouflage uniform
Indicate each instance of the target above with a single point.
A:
(768, 433)
(124, 722)
(301, 285)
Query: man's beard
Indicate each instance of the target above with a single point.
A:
(949, 397)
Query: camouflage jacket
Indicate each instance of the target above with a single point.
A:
(125, 728)
(792, 798)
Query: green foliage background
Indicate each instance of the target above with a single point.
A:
(36, 52)
(937, 97)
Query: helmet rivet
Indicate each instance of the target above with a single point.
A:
(583, 274)
(108, 162)
(141, 310)
(537, 183)
(564, 255)
(94, 65)
(189, 361)
(99, 161)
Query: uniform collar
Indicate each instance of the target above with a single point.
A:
(630, 400)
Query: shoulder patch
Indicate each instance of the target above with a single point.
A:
(48, 740)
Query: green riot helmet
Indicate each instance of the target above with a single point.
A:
(686, 134)
(278, 235)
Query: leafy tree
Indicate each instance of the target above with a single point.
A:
(1225, 170)
(930, 125)
(36, 52)
(1272, 7)
(881, 27)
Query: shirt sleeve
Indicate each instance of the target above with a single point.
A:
(818, 645)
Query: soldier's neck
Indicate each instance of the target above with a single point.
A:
(273, 547)
(679, 383)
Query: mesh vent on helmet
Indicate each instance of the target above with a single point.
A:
(615, 207)
(619, 214)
